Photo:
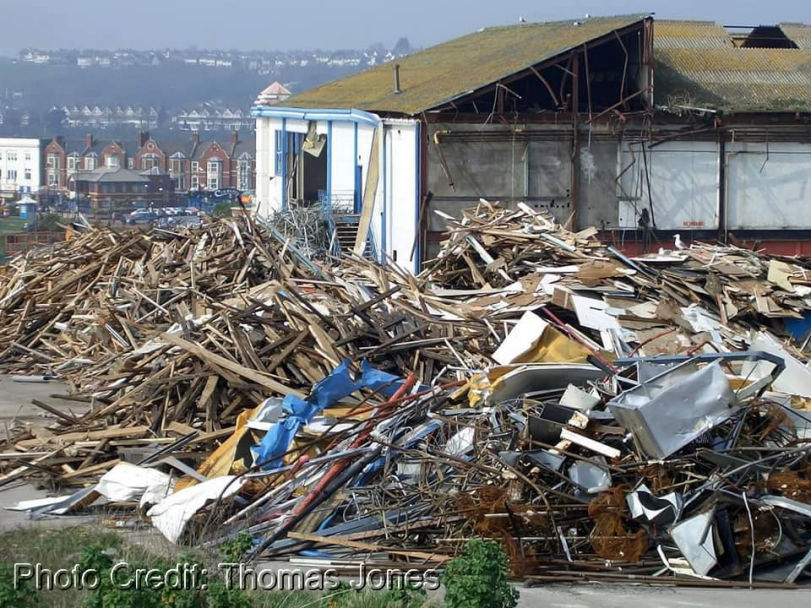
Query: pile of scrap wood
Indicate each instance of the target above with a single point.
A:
(168, 335)
(601, 416)
(497, 263)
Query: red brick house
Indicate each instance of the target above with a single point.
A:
(150, 154)
(193, 165)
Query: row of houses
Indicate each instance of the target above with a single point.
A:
(105, 117)
(641, 129)
(57, 167)
(194, 164)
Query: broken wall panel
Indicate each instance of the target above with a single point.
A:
(597, 183)
(399, 214)
(683, 177)
(514, 163)
(769, 186)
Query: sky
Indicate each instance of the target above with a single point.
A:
(329, 25)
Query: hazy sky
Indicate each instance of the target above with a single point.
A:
(291, 24)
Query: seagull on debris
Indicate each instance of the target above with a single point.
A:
(679, 243)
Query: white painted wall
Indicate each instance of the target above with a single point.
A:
(396, 196)
(19, 164)
(268, 185)
(683, 183)
(402, 196)
(342, 158)
(769, 186)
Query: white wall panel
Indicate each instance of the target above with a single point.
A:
(683, 183)
(342, 157)
(401, 191)
(268, 185)
(769, 186)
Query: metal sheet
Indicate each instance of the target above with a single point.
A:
(694, 539)
(542, 376)
(674, 408)
(769, 186)
(659, 510)
(683, 183)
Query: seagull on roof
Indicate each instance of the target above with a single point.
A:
(679, 243)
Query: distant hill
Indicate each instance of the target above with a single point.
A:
(29, 91)
(173, 85)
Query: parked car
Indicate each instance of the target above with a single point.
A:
(141, 216)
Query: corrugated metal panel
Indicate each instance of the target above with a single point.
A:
(690, 35)
(739, 79)
(455, 68)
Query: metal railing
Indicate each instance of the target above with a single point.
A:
(337, 207)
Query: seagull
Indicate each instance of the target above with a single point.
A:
(588, 16)
(521, 20)
(679, 243)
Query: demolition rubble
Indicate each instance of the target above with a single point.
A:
(605, 418)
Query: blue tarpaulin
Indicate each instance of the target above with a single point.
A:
(799, 328)
(336, 386)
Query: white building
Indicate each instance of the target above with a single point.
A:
(356, 144)
(19, 166)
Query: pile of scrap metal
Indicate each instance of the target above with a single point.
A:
(604, 418)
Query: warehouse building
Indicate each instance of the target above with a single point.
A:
(644, 130)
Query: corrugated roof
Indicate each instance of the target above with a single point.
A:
(800, 33)
(690, 35)
(447, 71)
(110, 175)
(696, 64)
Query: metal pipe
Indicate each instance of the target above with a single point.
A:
(397, 89)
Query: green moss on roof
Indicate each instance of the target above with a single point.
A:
(442, 73)
(695, 63)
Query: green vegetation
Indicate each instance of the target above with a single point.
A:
(12, 224)
(222, 210)
(50, 222)
(96, 550)
(235, 548)
(477, 578)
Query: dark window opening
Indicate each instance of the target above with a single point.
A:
(766, 37)
(609, 74)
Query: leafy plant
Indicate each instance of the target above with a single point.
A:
(222, 210)
(21, 597)
(477, 578)
(110, 595)
(220, 596)
(234, 548)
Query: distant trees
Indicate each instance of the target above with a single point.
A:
(403, 47)
(53, 120)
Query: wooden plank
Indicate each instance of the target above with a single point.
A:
(369, 194)
(132, 432)
(209, 357)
